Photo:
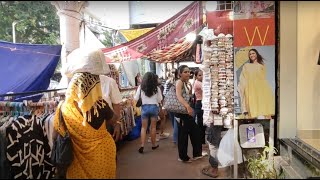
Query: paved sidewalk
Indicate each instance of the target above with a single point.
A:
(161, 163)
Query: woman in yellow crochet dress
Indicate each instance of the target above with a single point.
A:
(256, 94)
(86, 113)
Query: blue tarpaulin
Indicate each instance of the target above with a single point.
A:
(27, 67)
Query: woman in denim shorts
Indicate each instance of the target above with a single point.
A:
(151, 98)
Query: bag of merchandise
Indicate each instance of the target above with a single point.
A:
(226, 149)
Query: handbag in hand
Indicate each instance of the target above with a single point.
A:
(171, 102)
(193, 100)
(139, 102)
(62, 152)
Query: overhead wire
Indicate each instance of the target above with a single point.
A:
(38, 52)
(82, 19)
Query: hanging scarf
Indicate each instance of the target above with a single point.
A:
(85, 89)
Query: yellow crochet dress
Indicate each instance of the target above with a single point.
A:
(255, 91)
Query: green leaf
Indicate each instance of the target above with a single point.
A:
(29, 14)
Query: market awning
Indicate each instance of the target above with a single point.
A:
(169, 34)
(131, 34)
(27, 67)
(173, 52)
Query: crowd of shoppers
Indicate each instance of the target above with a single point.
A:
(184, 125)
(92, 107)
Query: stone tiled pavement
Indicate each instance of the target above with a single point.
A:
(161, 163)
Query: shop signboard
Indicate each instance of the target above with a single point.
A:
(254, 58)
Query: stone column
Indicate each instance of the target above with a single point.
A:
(70, 19)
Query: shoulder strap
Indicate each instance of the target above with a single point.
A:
(185, 87)
(61, 119)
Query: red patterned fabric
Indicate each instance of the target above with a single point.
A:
(166, 39)
(173, 52)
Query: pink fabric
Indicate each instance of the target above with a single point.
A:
(198, 89)
(198, 54)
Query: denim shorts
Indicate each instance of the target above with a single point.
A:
(149, 110)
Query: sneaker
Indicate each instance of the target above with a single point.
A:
(198, 157)
(189, 161)
(204, 153)
(141, 150)
(155, 147)
(164, 135)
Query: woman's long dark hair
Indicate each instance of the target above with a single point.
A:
(149, 84)
(181, 68)
(176, 74)
(259, 57)
(196, 72)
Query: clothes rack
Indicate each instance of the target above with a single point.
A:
(26, 137)
(30, 92)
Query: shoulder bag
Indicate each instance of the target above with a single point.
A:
(62, 152)
(193, 100)
(171, 102)
(139, 102)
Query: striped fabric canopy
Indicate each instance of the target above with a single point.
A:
(164, 43)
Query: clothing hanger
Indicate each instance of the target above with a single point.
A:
(8, 109)
(18, 108)
(45, 111)
(21, 112)
(1, 111)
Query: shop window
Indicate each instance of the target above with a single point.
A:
(141, 26)
(224, 5)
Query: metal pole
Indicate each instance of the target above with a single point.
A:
(14, 23)
(14, 31)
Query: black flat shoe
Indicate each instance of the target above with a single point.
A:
(155, 147)
(141, 150)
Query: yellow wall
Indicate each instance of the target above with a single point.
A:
(287, 126)
(299, 72)
(308, 72)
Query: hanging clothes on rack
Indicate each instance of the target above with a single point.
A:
(28, 150)
(25, 147)
(114, 73)
(127, 117)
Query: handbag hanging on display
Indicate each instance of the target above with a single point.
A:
(171, 102)
(139, 102)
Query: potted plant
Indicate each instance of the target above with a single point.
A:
(263, 167)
